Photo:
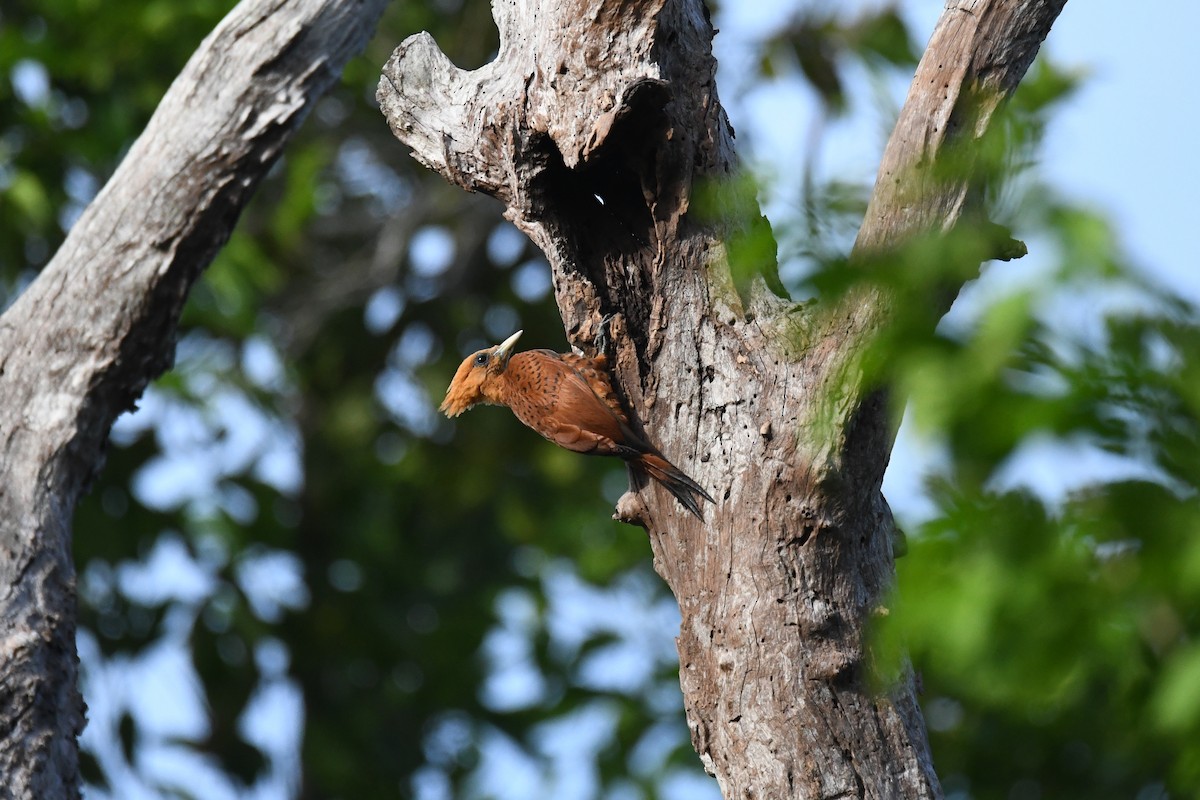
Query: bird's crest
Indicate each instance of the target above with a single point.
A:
(470, 382)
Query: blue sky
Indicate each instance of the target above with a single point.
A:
(1124, 144)
(1127, 143)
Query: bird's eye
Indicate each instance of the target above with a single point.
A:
(481, 359)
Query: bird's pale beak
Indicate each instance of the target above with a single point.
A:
(504, 351)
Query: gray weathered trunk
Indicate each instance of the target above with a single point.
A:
(596, 125)
(78, 347)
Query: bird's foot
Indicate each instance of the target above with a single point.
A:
(603, 341)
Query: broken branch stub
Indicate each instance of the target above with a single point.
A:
(553, 78)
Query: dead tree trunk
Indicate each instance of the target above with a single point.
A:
(80, 345)
(595, 125)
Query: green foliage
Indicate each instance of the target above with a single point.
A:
(106, 67)
(822, 46)
(1048, 601)
(1065, 619)
(750, 247)
(1051, 615)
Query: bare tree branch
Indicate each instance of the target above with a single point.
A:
(79, 346)
(979, 52)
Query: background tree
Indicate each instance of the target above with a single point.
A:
(190, 565)
(81, 342)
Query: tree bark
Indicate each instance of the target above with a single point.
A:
(597, 125)
(81, 343)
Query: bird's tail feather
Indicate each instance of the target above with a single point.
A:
(686, 490)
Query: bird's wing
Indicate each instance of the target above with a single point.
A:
(565, 409)
(595, 372)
